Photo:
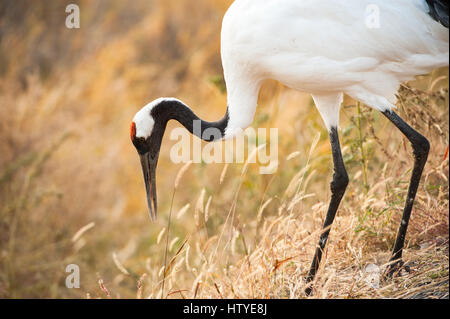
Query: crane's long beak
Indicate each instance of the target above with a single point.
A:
(149, 171)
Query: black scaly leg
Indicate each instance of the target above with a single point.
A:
(421, 148)
(338, 187)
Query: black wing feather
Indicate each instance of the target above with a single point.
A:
(439, 11)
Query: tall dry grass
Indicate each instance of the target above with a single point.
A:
(71, 189)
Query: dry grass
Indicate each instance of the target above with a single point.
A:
(71, 189)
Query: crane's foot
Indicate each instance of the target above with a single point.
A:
(309, 284)
(309, 290)
(395, 269)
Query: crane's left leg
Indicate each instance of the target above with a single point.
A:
(329, 106)
(421, 148)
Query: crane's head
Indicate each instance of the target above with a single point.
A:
(147, 130)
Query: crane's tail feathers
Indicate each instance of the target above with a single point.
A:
(439, 11)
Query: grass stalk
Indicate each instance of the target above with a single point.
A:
(361, 148)
(167, 244)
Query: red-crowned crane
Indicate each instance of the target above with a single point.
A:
(323, 47)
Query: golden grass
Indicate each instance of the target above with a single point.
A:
(71, 188)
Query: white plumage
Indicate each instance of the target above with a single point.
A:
(326, 48)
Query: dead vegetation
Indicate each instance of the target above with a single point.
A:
(71, 189)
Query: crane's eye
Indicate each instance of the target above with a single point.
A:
(133, 131)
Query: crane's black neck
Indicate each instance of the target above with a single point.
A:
(175, 110)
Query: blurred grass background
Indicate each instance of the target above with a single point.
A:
(67, 97)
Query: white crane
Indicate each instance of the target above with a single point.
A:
(323, 47)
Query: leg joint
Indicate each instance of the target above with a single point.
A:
(421, 146)
(340, 182)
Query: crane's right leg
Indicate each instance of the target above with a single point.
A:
(421, 148)
(329, 107)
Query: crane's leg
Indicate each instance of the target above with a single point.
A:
(338, 187)
(421, 148)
